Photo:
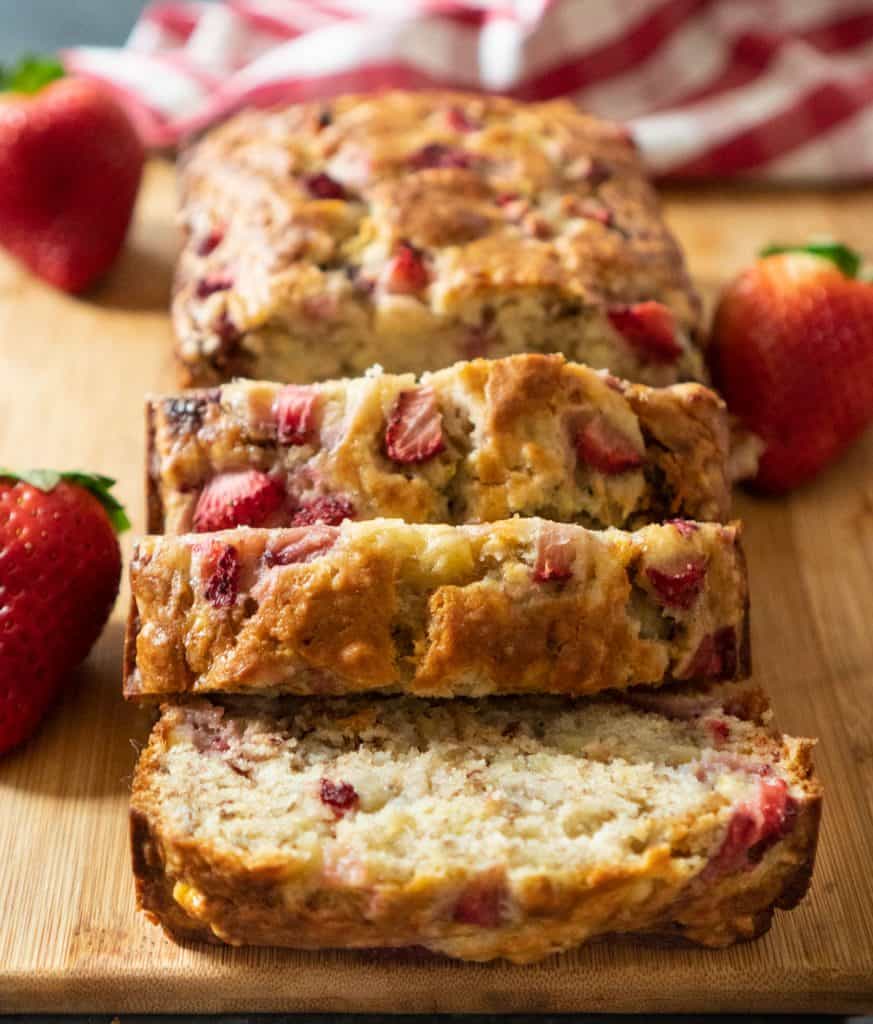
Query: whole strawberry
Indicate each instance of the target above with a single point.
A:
(60, 566)
(792, 353)
(70, 166)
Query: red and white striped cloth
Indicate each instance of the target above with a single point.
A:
(776, 89)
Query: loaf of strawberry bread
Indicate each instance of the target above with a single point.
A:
(521, 605)
(513, 827)
(479, 441)
(417, 229)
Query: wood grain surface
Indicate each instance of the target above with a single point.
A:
(73, 376)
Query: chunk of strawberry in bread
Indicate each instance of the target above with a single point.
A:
(555, 553)
(407, 274)
(328, 509)
(649, 328)
(601, 446)
(219, 571)
(415, 427)
(679, 585)
(244, 498)
(294, 409)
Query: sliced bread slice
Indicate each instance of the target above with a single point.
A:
(519, 606)
(508, 828)
(529, 435)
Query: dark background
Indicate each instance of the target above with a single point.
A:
(42, 26)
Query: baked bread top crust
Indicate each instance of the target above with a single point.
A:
(522, 605)
(414, 229)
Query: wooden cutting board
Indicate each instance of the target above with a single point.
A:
(71, 385)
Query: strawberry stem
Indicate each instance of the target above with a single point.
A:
(99, 486)
(846, 259)
(30, 74)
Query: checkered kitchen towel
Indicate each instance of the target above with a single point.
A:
(776, 89)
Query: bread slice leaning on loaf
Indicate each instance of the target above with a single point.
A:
(513, 827)
(529, 435)
(518, 606)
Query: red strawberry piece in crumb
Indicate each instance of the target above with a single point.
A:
(715, 657)
(328, 509)
(210, 242)
(649, 328)
(776, 806)
(310, 543)
(340, 797)
(740, 836)
(239, 498)
(407, 273)
(323, 186)
(437, 154)
(678, 587)
(517, 210)
(294, 409)
(591, 209)
(719, 729)
(755, 826)
(481, 903)
(684, 527)
(207, 286)
(219, 571)
(415, 427)
(555, 554)
(460, 121)
(604, 448)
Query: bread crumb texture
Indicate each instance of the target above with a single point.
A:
(505, 827)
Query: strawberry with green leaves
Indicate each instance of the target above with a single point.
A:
(60, 566)
(70, 167)
(792, 353)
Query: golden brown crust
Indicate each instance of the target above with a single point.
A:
(533, 222)
(154, 891)
(517, 606)
(509, 429)
(552, 641)
(154, 500)
(131, 630)
(210, 892)
(340, 613)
